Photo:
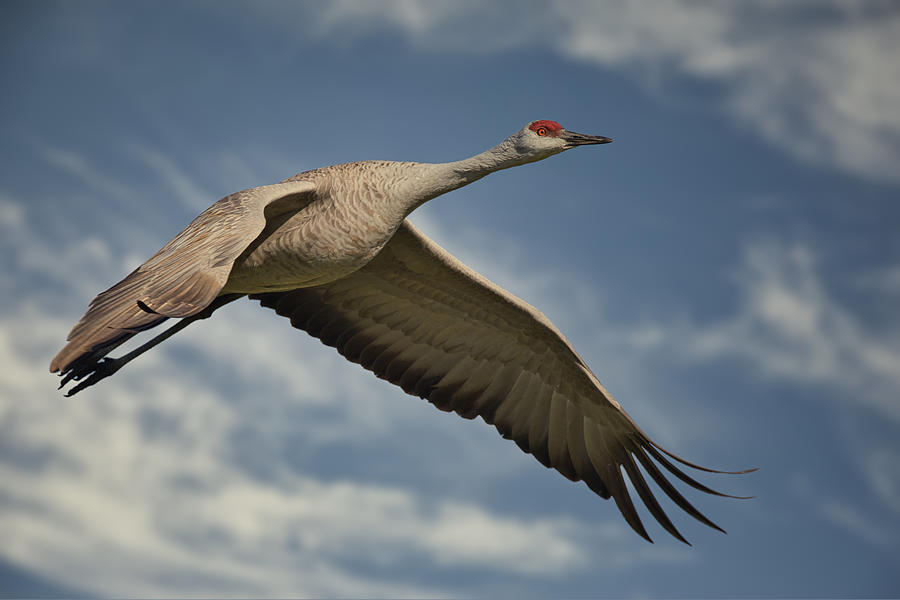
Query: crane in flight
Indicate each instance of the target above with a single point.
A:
(332, 250)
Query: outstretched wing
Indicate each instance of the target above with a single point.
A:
(185, 276)
(420, 319)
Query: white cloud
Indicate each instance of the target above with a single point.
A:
(818, 79)
(151, 507)
(789, 326)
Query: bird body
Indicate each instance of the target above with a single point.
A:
(357, 209)
(332, 250)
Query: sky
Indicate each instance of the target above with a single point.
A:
(729, 267)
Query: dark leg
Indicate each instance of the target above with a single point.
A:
(104, 367)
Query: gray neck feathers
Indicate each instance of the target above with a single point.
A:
(502, 156)
(440, 178)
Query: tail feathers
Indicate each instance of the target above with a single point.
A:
(144, 299)
(113, 317)
(100, 333)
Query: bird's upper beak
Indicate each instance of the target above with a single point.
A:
(581, 139)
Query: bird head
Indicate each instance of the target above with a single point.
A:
(540, 139)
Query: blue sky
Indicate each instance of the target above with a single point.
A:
(729, 267)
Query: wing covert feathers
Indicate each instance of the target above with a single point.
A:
(184, 277)
(420, 319)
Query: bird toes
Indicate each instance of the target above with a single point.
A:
(98, 371)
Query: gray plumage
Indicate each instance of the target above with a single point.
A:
(331, 249)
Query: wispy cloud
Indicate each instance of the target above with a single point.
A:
(76, 165)
(185, 188)
(857, 523)
(882, 468)
(817, 79)
(156, 504)
(789, 326)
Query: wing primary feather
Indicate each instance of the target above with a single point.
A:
(578, 451)
(622, 498)
(603, 459)
(647, 497)
(651, 448)
(669, 489)
(688, 463)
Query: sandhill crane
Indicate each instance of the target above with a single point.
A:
(331, 249)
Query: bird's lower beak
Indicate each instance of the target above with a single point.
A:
(581, 139)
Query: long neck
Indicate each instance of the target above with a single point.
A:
(502, 156)
(441, 178)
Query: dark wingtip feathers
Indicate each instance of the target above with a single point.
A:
(688, 463)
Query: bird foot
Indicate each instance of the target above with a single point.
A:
(102, 369)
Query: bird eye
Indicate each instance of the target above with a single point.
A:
(542, 131)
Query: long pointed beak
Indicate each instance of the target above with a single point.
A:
(581, 139)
